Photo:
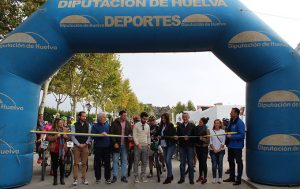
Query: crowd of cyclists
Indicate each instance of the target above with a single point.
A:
(125, 144)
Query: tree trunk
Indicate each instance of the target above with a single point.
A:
(45, 93)
(96, 112)
(57, 106)
(74, 101)
(44, 97)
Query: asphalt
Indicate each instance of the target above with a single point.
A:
(36, 182)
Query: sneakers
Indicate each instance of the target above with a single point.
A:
(75, 182)
(204, 181)
(114, 179)
(167, 181)
(39, 161)
(150, 175)
(227, 172)
(192, 182)
(229, 180)
(214, 181)
(180, 181)
(136, 179)
(199, 179)
(220, 180)
(238, 182)
(144, 180)
(108, 181)
(123, 179)
(85, 182)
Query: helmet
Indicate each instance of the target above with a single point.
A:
(152, 118)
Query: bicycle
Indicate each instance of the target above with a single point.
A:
(44, 164)
(68, 161)
(155, 148)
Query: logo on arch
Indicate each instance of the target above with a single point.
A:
(279, 143)
(280, 99)
(205, 20)
(9, 104)
(27, 40)
(253, 39)
(79, 21)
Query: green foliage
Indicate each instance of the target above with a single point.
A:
(97, 78)
(49, 112)
(179, 108)
(190, 106)
(14, 12)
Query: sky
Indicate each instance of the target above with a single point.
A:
(154, 77)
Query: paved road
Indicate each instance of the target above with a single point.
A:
(36, 183)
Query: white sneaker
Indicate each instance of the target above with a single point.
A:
(85, 182)
(214, 181)
(220, 180)
(144, 180)
(75, 182)
(136, 180)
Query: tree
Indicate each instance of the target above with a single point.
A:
(72, 76)
(148, 108)
(13, 12)
(106, 85)
(179, 108)
(190, 106)
(127, 100)
(44, 95)
(132, 107)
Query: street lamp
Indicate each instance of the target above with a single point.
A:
(89, 107)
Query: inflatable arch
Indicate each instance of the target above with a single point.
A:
(47, 39)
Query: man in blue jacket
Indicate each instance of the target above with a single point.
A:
(102, 148)
(235, 146)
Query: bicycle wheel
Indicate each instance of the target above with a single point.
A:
(43, 164)
(158, 168)
(68, 163)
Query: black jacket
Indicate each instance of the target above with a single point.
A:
(202, 131)
(189, 130)
(116, 129)
(169, 131)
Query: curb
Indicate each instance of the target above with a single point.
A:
(249, 183)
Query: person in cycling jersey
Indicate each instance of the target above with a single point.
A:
(154, 137)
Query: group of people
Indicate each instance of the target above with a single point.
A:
(128, 145)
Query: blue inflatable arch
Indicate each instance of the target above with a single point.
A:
(46, 40)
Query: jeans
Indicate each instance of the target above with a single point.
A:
(130, 160)
(217, 163)
(202, 153)
(102, 155)
(116, 156)
(186, 157)
(235, 155)
(137, 154)
(56, 162)
(168, 153)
